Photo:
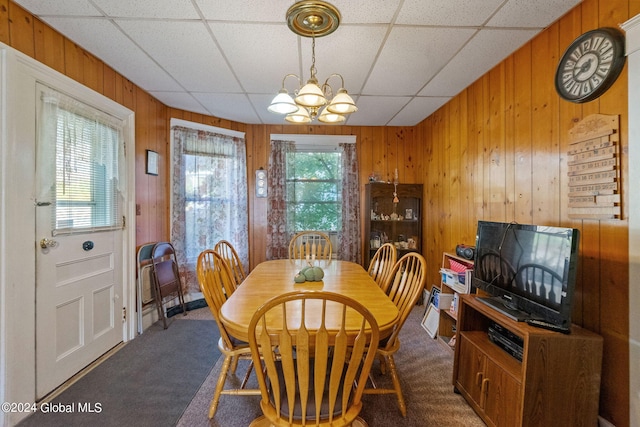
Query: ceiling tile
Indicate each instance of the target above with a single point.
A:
(411, 57)
(351, 52)
(414, 112)
(376, 110)
(481, 54)
(60, 7)
(174, 44)
(367, 11)
(104, 40)
(527, 13)
(260, 54)
(244, 10)
(180, 100)
(228, 105)
(447, 12)
(156, 9)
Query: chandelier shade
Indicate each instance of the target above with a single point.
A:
(300, 116)
(332, 118)
(311, 95)
(342, 103)
(313, 18)
(283, 103)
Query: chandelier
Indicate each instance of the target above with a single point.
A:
(313, 18)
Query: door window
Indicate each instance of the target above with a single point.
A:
(88, 147)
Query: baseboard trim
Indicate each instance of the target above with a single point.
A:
(191, 305)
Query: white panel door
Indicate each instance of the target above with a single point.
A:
(79, 301)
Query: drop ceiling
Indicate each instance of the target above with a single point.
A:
(401, 59)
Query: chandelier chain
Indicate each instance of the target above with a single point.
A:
(313, 57)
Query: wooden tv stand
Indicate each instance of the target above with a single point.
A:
(556, 383)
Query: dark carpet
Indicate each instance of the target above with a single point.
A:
(149, 382)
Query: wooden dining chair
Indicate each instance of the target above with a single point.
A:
(382, 263)
(310, 245)
(166, 278)
(229, 254)
(404, 286)
(314, 374)
(217, 285)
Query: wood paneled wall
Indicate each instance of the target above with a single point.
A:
(496, 151)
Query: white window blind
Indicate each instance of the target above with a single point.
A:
(88, 150)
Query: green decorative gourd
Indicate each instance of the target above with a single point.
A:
(300, 278)
(312, 274)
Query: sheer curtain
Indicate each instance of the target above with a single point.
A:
(209, 197)
(81, 164)
(350, 247)
(278, 233)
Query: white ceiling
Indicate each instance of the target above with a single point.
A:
(401, 59)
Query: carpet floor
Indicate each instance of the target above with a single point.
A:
(167, 378)
(149, 382)
(425, 368)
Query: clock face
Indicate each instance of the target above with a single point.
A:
(590, 65)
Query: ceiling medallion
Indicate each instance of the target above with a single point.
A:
(309, 18)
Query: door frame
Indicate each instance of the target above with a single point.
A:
(17, 219)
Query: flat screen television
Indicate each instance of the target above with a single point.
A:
(529, 271)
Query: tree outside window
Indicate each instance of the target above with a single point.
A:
(314, 191)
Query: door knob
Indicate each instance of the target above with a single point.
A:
(48, 243)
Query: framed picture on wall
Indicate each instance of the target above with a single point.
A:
(152, 162)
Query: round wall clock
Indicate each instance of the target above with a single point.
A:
(590, 65)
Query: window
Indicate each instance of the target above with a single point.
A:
(207, 201)
(209, 194)
(314, 190)
(87, 150)
(313, 185)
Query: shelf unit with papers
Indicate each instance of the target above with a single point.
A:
(455, 280)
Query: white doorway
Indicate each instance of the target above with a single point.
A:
(82, 291)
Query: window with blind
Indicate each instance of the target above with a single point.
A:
(85, 194)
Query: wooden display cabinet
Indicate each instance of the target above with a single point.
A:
(383, 223)
(447, 323)
(557, 383)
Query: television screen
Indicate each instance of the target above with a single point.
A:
(529, 270)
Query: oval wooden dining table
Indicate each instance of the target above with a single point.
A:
(273, 278)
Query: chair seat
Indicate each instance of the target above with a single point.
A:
(236, 344)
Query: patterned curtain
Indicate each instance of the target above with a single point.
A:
(209, 197)
(349, 237)
(278, 234)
